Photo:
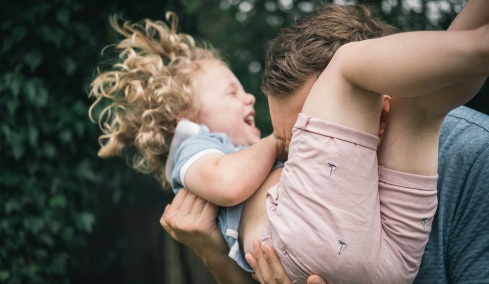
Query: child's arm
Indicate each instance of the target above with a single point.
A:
(413, 64)
(416, 63)
(473, 15)
(227, 180)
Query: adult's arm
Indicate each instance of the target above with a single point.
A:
(191, 221)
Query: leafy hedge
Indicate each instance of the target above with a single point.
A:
(45, 170)
(49, 173)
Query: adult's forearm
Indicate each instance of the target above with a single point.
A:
(214, 255)
(190, 220)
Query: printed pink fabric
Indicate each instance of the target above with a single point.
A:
(325, 215)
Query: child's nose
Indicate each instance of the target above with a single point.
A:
(249, 99)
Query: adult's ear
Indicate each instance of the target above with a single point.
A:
(383, 116)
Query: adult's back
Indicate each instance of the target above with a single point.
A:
(458, 247)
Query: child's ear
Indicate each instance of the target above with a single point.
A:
(383, 116)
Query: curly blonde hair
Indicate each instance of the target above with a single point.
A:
(145, 92)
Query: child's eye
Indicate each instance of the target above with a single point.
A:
(233, 94)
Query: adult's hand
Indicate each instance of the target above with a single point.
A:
(267, 265)
(314, 279)
(268, 268)
(191, 221)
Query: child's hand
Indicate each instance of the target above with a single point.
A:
(280, 147)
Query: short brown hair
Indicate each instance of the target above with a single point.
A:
(306, 48)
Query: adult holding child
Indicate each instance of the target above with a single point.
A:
(469, 87)
(163, 87)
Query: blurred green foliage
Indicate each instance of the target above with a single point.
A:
(55, 193)
(49, 174)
